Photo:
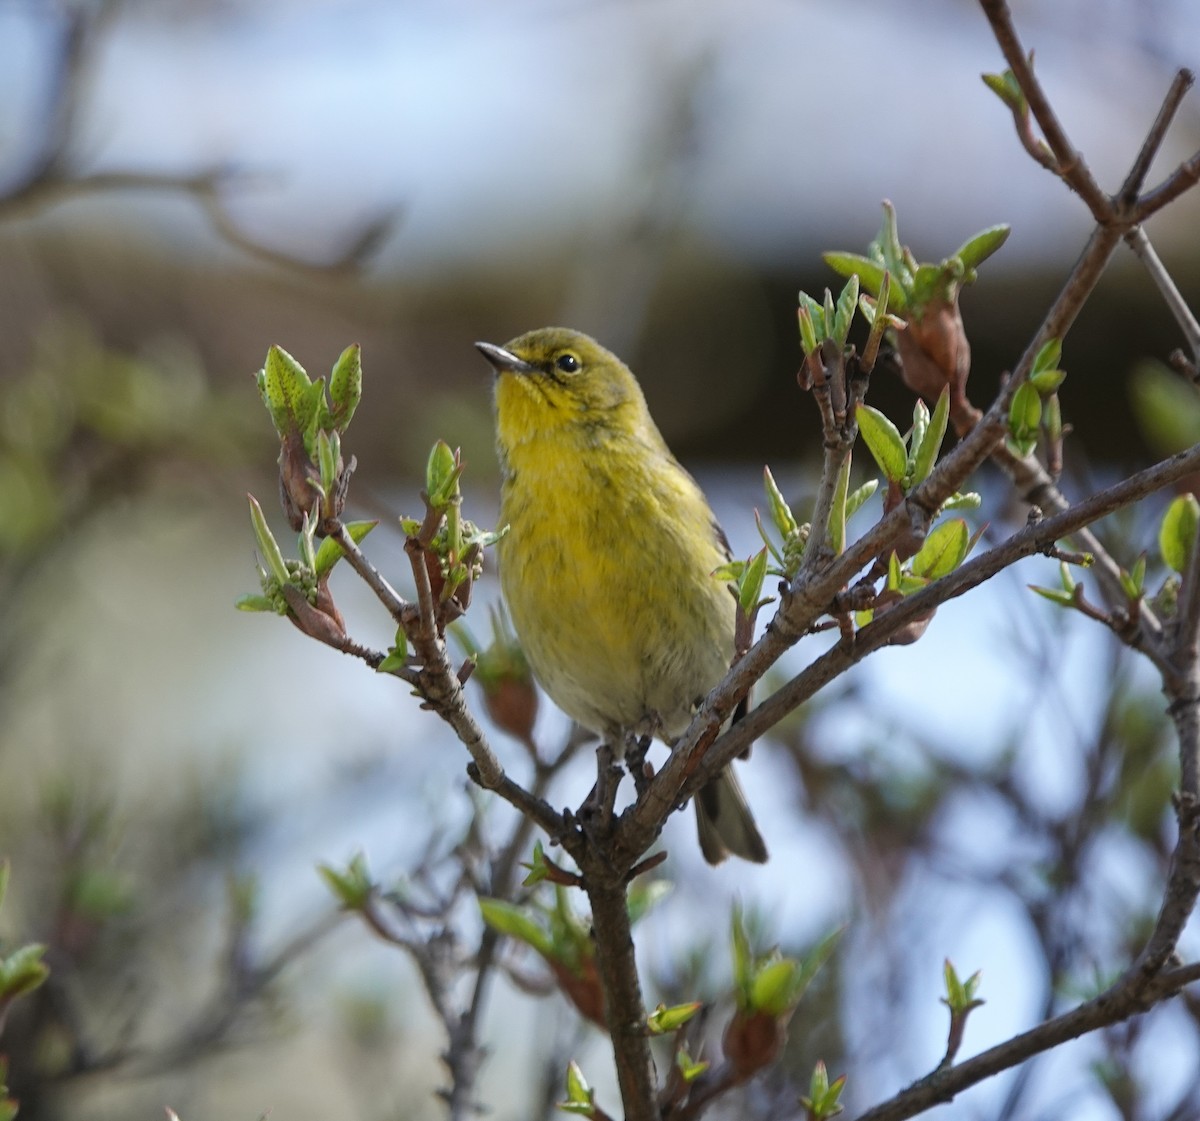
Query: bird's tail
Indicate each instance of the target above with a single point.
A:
(725, 822)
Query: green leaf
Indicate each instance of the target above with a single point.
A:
(742, 957)
(1054, 595)
(1006, 87)
(516, 923)
(930, 281)
(580, 1096)
(286, 391)
(1047, 381)
(884, 441)
(856, 498)
(329, 451)
(975, 250)
(837, 512)
(898, 262)
(844, 313)
(663, 1019)
(352, 885)
(688, 1067)
(772, 986)
(249, 602)
(330, 552)
(916, 433)
(643, 895)
(931, 443)
(781, 512)
(1134, 581)
(22, 972)
(539, 870)
(870, 273)
(943, 550)
(812, 962)
(808, 326)
(751, 584)
(970, 500)
(1024, 418)
(578, 1089)
(960, 995)
(1177, 534)
(441, 475)
(730, 571)
(1167, 408)
(821, 1102)
(1047, 358)
(268, 547)
(345, 386)
(397, 655)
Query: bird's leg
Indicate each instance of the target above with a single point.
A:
(608, 779)
(635, 762)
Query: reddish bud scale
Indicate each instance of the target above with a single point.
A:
(512, 704)
(934, 352)
(582, 989)
(753, 1041)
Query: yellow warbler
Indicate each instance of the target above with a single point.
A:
(607, 567)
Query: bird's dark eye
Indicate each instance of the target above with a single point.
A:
(568, 363)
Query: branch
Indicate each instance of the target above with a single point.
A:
(1123, 1000)
(1181, 83)
(624, 1009)
(1137, 240)
(1032, 539)
(1070, 164)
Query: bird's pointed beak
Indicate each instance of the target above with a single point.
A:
(502, 360)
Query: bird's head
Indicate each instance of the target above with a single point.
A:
(555, 381)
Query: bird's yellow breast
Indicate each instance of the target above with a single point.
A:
(607, 569)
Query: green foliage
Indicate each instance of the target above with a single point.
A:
(793, 534)
(306, 574)
(84, 425)
(884, 442)
(960, 995)
(907, 461)
(1177, 532)
(555, 931)
(943, 550)
(299, 406)
(1034, 405)
(748, 577)
(581, 1098)
(913, 286)
(828, 321)
(352, 885)
(21, 971)
(771, 983)
(1166, 406)
(664, 1020)
(689, 1069)
(822, 1100)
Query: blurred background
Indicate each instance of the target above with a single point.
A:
(184, 184)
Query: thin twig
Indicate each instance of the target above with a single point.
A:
(1071, 166)
(1134, 181)
(1137, 240)
(1110, 1007)
(394, 603)
(1030, 540)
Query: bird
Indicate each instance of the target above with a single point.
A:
(607, 567)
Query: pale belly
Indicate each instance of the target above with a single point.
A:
(629, 637)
